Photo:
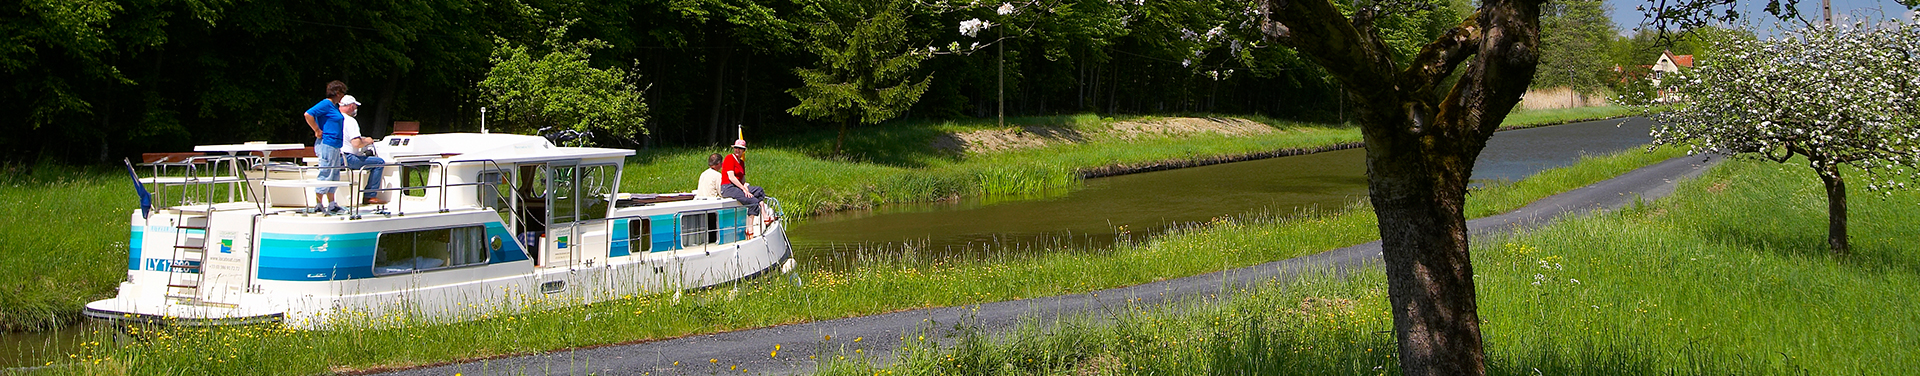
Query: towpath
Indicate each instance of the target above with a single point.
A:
(752, 351)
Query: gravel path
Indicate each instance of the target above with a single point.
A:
(747, 351)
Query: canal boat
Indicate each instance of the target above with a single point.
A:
(474, 224)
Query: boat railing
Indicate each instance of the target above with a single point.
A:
(402, 185)
(200, 180)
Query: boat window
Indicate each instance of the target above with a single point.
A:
(562, 188)
(422, 250)
(596, 187)
(640, 235)
(696, 229)
(415, 176)
(495, 195)
(539, 186)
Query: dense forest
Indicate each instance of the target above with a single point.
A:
(91, 81)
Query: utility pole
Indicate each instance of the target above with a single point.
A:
(1570, 90)
(1826, 9)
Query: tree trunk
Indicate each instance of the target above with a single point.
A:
(383, 116)
(842, 139)
(719, 88)
(1420, 153)
(1836, 208)
(746, 79)
(1418, 196)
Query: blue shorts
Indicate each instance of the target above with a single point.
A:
(330, 163)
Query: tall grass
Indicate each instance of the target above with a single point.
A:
(1729, 276)
(1563, 97)
(64, 240)
(854, 286)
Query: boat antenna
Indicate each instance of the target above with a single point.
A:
(483, 120)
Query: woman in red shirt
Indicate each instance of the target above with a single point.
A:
(733, 183)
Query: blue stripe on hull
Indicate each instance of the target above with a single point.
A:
(134, 245)
(334, 257)
(666, 232)
(620, 244)
(510, 249)
(317, 257)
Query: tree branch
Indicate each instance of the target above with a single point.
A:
(1502, 69)
(1438, 59)
(1319, 31)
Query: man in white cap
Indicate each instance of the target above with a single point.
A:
(356, 154)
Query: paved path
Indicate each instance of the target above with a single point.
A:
(880, 334)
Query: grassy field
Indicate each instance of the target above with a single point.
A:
(863, 286)
(1729, 276)
(64, 240)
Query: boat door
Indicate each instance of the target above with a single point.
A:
(578, 201)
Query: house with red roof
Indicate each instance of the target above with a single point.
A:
(1668, 64)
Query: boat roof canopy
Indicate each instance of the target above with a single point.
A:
(503, 148)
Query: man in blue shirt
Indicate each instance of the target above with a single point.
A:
(325, 118)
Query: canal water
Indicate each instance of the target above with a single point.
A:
(1107, 209)
(1139, 205)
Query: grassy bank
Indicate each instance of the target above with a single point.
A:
(898, 163)
(64, 240)
(1535, 118)
(864, 286)
(1729, 276)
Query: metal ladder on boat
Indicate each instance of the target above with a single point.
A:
(191, 233)
(191, 237)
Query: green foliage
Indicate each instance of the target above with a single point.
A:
(561, 90)
(866, 64)
(53, 29)
(1575, 44)
(124, 77)
(1409, 26)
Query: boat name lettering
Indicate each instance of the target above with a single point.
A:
(158, 265)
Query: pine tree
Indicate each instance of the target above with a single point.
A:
(865, 68)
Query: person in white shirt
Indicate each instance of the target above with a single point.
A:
(356, 147)
(709, 179)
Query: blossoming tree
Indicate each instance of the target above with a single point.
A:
(1834, 96)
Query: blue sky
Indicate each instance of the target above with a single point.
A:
(1625, 17)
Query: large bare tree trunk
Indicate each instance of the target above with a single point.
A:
(1420, 153)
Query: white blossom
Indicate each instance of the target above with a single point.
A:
(1842, 95)
(974, 26)
(1005, 9)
